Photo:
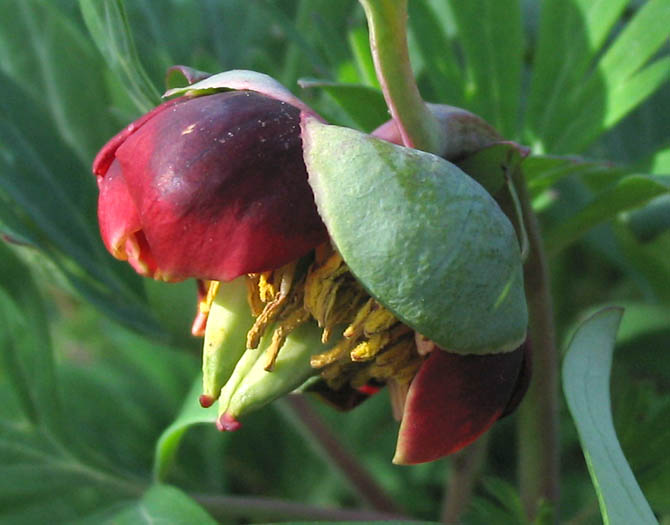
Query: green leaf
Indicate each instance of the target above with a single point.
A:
(436, 50)
(422, 236)
(360, 49)
(652, 220)
(571, 33)
(491, 36)
(48, 206)
(543, 171)
(49, 56)
(163, 504)
(572, 36)
(25, 345)
(365, 105)
(108, 25)
(630, 192)
(191, 414)
(660, 163)
(586, 373)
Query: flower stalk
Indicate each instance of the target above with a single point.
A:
(387, 22)
(300, 413)
(538, 414)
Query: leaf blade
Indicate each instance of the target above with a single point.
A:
(586, 372)
(630, 192)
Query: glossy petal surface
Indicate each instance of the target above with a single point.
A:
(120, 226)
(219, 185)
(453, 400)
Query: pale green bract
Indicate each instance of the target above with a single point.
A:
(422, 237)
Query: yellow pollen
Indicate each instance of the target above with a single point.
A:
(368, 349)
(373, 345)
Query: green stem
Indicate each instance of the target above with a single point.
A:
(387, 22)
(306, 420)
(538, 414)
(466, 466)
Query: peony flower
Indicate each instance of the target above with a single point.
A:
(214, 185)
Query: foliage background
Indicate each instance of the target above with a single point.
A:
(97, 363)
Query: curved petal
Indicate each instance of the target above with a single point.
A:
(106, 155)
(465, 132)
(221, 186)
(119, 222)
(453, 400)
(522, 381)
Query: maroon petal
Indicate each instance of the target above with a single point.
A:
(221, 186)
(119, 221)
(453, 400)
(522, 381)
(103, 160)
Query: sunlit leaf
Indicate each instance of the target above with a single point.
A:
(586, 374)
(571, 36)
(490, 34)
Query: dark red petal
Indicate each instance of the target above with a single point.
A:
(221, 186)
(119, 222)
(105, 156)
(453, 400)
(522, 382)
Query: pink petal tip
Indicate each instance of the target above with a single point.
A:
(206, 401)
(227, 423)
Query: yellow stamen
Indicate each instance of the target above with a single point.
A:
(206, 304)
(356, 327)
(289, 322)
(253, 294)
(334, 354)
(277, 292)
(366, 350)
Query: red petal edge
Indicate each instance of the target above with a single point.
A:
(452, 401)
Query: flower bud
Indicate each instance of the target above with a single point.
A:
(465, 132)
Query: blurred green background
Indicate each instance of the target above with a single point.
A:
(97, 363)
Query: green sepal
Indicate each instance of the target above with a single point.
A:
(228, 322)
(422, 237)
(252, 387)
